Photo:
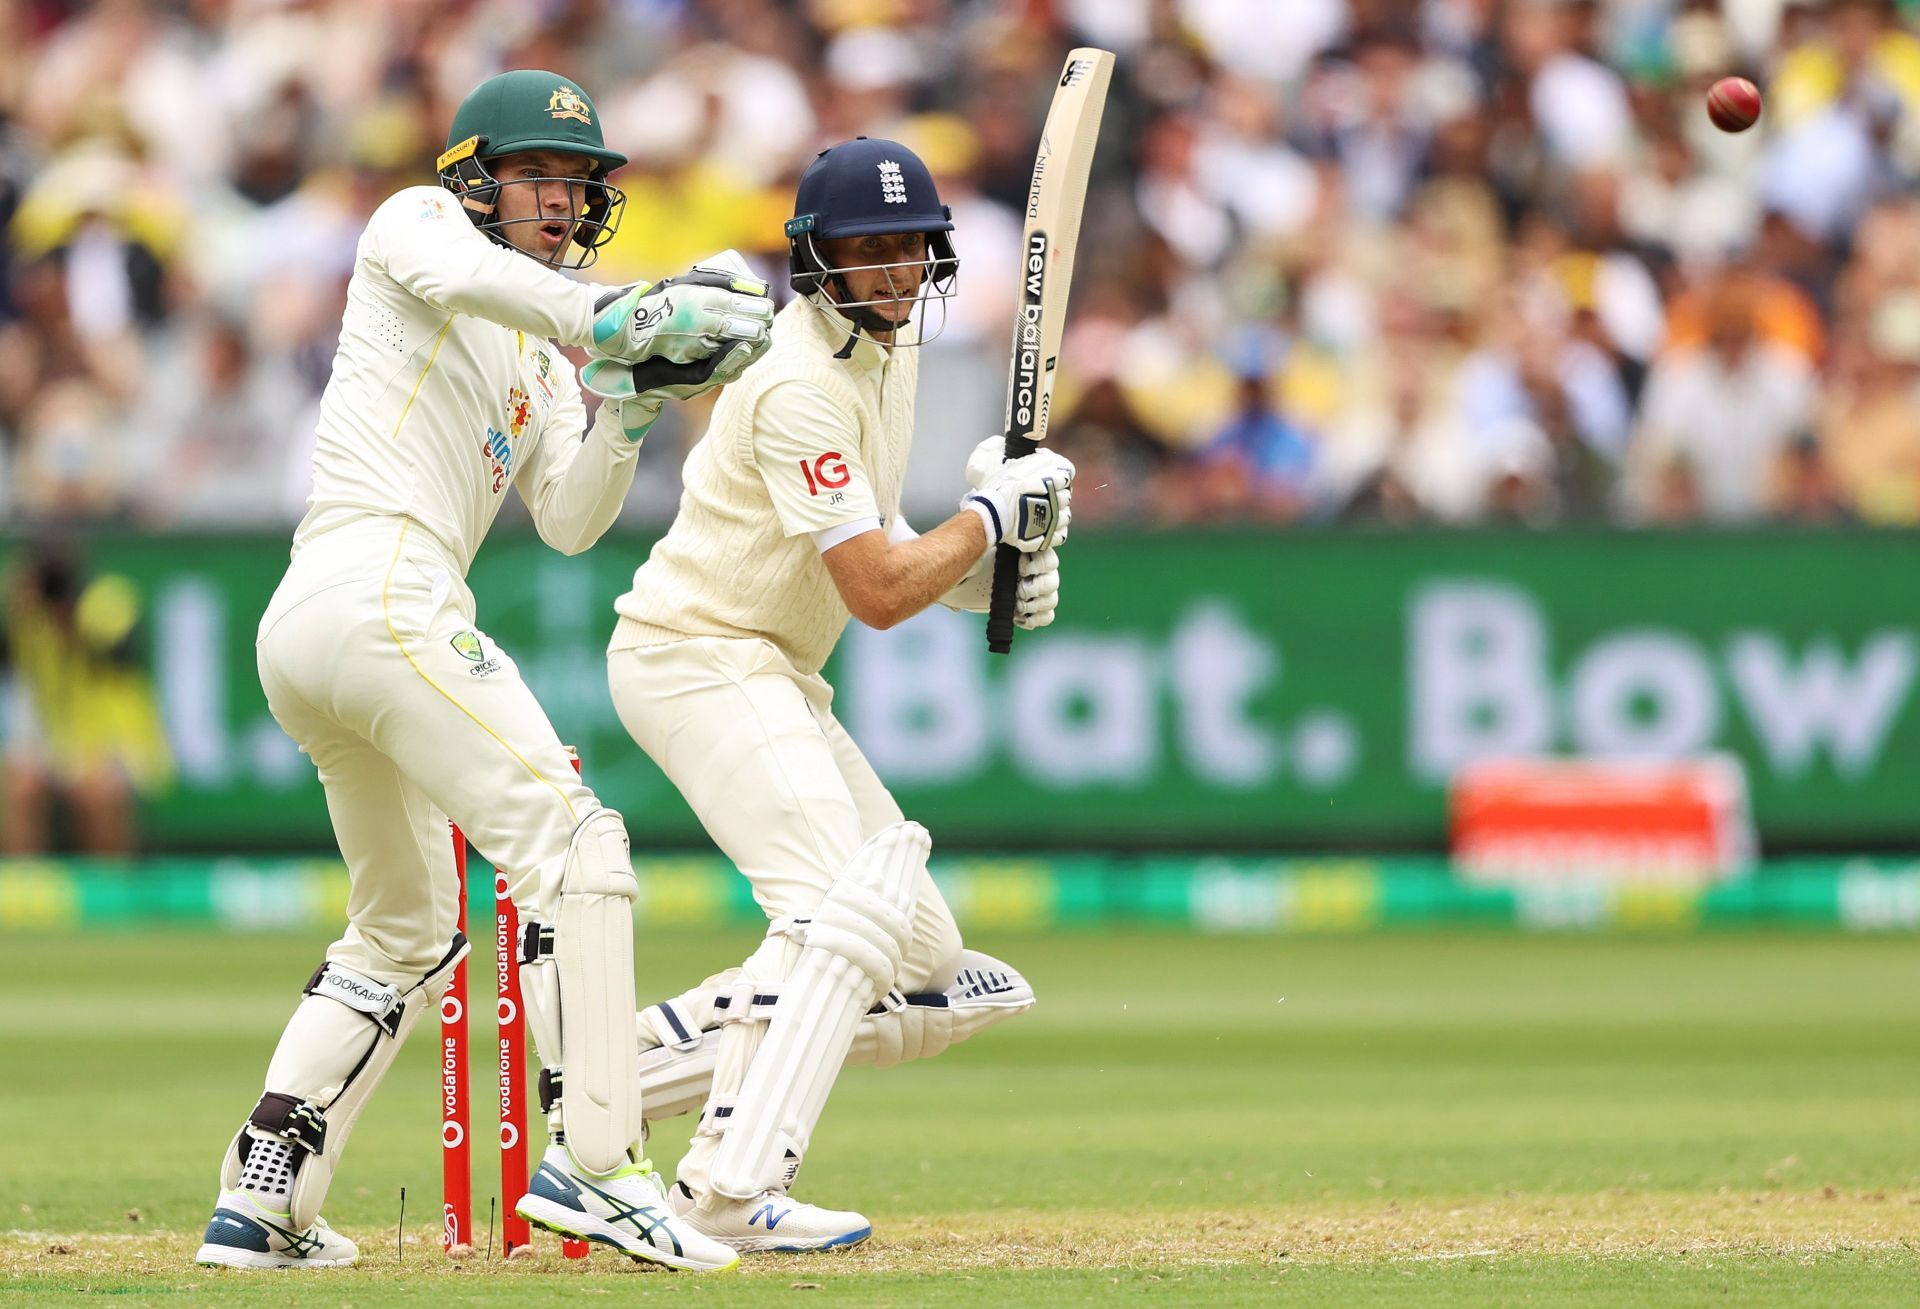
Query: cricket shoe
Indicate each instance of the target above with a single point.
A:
(770, 1222)
(627, 1211)
(242, 1234)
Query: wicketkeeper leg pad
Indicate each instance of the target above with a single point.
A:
(578, 985)
(337, 1047)
(850, 953)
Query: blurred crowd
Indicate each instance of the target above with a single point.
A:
(1375, 261)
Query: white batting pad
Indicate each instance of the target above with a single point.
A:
(678, 1054)
(851, 952)
(986, 991)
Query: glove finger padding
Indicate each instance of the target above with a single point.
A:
(684, 319)
(659, 379)
(1038, 595)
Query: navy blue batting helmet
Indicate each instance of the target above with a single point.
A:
(866, 187)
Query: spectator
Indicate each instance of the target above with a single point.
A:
(1869, 428)
(1524, 196)
(1260, 465)
(82, 736)
(1728, 407)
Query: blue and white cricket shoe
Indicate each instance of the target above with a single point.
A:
(242, 1234)
(769, 1223)
(627, 1211)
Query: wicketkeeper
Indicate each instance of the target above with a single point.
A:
(789, 522)
(446, 391)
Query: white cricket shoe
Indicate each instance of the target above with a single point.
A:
(627, 1211)
(243, 1234)
(769, 1222)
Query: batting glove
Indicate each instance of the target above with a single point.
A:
(1035, 600)
(1026, 503)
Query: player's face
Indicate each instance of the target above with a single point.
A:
(538, 216)
(890, 289)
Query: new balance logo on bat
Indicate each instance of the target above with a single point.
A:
(1026, 359)
(893, 187)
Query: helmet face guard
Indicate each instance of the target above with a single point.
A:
(938, 277)
(591, 221)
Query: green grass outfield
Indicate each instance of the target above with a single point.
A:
(1393, 1118)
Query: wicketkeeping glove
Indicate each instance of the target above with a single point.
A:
(1026, 503)
(639, 391)
(716, 307)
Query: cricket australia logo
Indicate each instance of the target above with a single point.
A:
(566, 103)
(893, 186)
(467, 646)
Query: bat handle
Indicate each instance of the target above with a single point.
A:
(1006, 571)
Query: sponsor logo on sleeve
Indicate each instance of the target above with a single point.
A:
(829, 472)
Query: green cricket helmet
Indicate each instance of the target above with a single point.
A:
(531, 109)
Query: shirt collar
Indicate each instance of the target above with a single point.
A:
(865, 352)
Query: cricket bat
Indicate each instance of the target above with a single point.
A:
(1055, 198)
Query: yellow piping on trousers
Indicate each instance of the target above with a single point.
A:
(387, 614)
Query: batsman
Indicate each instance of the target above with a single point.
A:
(789, 523)
(447, 390)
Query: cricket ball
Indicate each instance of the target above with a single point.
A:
(1733, 103)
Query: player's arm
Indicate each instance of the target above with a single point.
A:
(422, 240)
(576, 477)
(715, 311)
(883, 582)
(806, 449)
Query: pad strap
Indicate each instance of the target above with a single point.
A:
(677, 1030)
(289, 1118)
(382, 1004)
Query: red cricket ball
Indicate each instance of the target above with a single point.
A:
(1733, 103)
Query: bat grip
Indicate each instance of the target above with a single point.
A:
(1006, 571)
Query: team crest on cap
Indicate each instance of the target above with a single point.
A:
(566, 103)
(893, 187)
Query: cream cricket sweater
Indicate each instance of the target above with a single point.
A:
(815, 435)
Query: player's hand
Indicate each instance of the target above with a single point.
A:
(1035, 600)
(1026, 503)
(648, 385)
(719, 307)
(986, 460)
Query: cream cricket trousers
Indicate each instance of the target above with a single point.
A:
(372, 662)
(753, 745)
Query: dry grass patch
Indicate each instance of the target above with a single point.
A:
(1614, 1223)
